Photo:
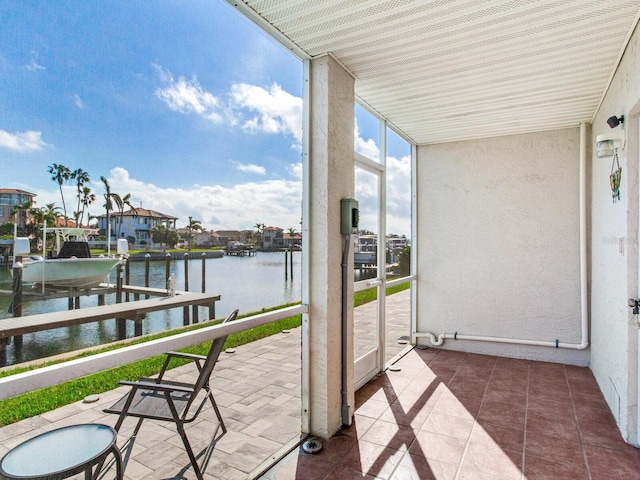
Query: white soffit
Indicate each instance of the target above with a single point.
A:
(447, 70)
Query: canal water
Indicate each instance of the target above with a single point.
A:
(247, 283)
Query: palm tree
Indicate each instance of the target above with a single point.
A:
(81, 177)
(108, 204)
(21, 214)
(51, 213)
(193, 225)
(257, 236)
(87, 198)
(60, 174)
(121, 202)
(37, 216)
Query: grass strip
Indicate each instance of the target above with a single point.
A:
(46, 399)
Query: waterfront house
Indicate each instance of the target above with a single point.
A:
(289, 240)
(226, 236)
(272, 238)
(136, 223)
(10, 199)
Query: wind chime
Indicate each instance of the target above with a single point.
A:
(615, 177)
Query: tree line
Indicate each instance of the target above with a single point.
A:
(31, 217)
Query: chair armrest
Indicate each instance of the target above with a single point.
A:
(161, 387)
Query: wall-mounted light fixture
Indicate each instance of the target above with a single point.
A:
(605, 143)
(614, 121)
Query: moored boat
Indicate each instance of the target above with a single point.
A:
(71, 266)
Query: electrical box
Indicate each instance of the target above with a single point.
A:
(349, 216)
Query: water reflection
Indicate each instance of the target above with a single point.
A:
(247, 283)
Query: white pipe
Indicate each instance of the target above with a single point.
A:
(584, 301)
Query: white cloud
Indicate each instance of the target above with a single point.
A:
(33, 65)
(273, 202)
(22, 141)
(254, 109)
(78, 101)
(295, 170)
(272, 111)
(368, 148)
(187, 96)
(251, 168)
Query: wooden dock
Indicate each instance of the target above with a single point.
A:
(127, 310)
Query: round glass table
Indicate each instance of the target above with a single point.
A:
(62, 453)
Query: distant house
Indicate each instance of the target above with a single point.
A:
(9, 199)
(136, 223)
(289, 240)
(272, 238)
(226, 236)
(200, 238)
(205, 239)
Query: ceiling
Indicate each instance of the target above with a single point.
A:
(448, 70)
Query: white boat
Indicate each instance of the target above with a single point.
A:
(71, 266)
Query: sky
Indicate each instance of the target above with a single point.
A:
(185, 105)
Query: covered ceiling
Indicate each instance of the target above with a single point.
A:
(447, 70)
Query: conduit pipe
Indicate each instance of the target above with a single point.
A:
(584, 304)
(346, 409)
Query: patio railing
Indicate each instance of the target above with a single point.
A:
(54, 374)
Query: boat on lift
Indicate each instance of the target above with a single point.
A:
(70, 265)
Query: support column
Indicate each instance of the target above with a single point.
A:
(331, 177)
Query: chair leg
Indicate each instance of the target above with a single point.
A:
(187, 447)
(215, 408)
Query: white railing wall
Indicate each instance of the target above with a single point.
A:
(62, 372)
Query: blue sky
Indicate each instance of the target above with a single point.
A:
(186, 105)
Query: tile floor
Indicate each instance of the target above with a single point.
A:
(451, 415)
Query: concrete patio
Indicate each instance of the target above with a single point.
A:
(444, 415)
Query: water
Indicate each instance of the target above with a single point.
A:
(247, 283)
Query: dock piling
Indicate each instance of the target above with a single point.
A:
(127, 278)
(17, 299)
(167, 267)
(185, 310)
(121, 323)
(204, 270)
(147, 259)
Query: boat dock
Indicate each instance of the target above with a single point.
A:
(135, 310)
(241, 252)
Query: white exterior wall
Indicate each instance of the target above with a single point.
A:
(614, 260)
(498, 243)
(331, 173)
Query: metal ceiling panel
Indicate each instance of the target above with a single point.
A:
(448, 70)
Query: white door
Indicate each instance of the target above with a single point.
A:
(369, 263)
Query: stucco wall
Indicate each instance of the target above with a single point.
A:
(498, 243)
(331, 173)
(614, 260)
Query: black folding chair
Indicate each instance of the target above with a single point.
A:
(177, 402)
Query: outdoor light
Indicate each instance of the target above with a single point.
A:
(614, 121)
(605, 143)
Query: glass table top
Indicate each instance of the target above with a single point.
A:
(58, 450)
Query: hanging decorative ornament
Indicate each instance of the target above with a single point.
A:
(615, 177)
